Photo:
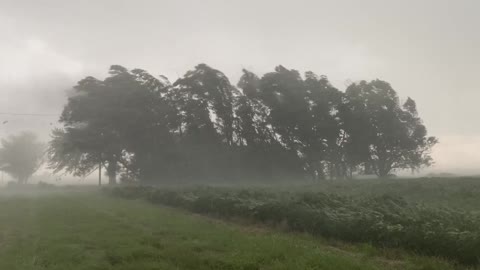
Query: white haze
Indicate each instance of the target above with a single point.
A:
(427, 49)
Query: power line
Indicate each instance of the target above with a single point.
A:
(30, 114)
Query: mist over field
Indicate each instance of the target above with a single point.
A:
(432, 56)
(242, 134)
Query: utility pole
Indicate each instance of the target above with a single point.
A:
(100, 173)
(3, 174)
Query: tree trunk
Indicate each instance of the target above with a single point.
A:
(112, 172)
(383, 172)
(368, 168)
(350, 172)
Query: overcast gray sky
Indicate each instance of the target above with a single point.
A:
(427, 49)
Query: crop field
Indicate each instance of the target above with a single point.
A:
(373, 225)
(432, 217)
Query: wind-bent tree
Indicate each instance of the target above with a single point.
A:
(277, 125)
(21, 156)
(107, 122)
(418, 154)
(74, 150)
(283, 92)
(147, 128)
(325, 142)
(262, 154)
(384, 134)
(203, 99)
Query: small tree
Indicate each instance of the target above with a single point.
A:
(21, 156)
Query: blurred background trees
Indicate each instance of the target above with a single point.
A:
(21, 156)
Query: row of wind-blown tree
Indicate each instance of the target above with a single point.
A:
(203, 127)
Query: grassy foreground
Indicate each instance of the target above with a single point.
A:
(82, 230)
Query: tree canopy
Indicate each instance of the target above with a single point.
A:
(202, 126)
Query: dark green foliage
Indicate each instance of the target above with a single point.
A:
(384, 220)
(203, 127)
(120, 123)
(203, 99)
(384, 134)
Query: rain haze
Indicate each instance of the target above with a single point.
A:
(239, 134)
(427, 50)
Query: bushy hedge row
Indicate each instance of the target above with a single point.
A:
(384, 220)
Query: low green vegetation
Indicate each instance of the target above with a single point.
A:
(461, 193)
(385, 219)
(62, 229)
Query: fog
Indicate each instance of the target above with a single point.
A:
(427, 50)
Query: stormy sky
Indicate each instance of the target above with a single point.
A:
(427, 49)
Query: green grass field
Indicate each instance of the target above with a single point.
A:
(88, 230)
